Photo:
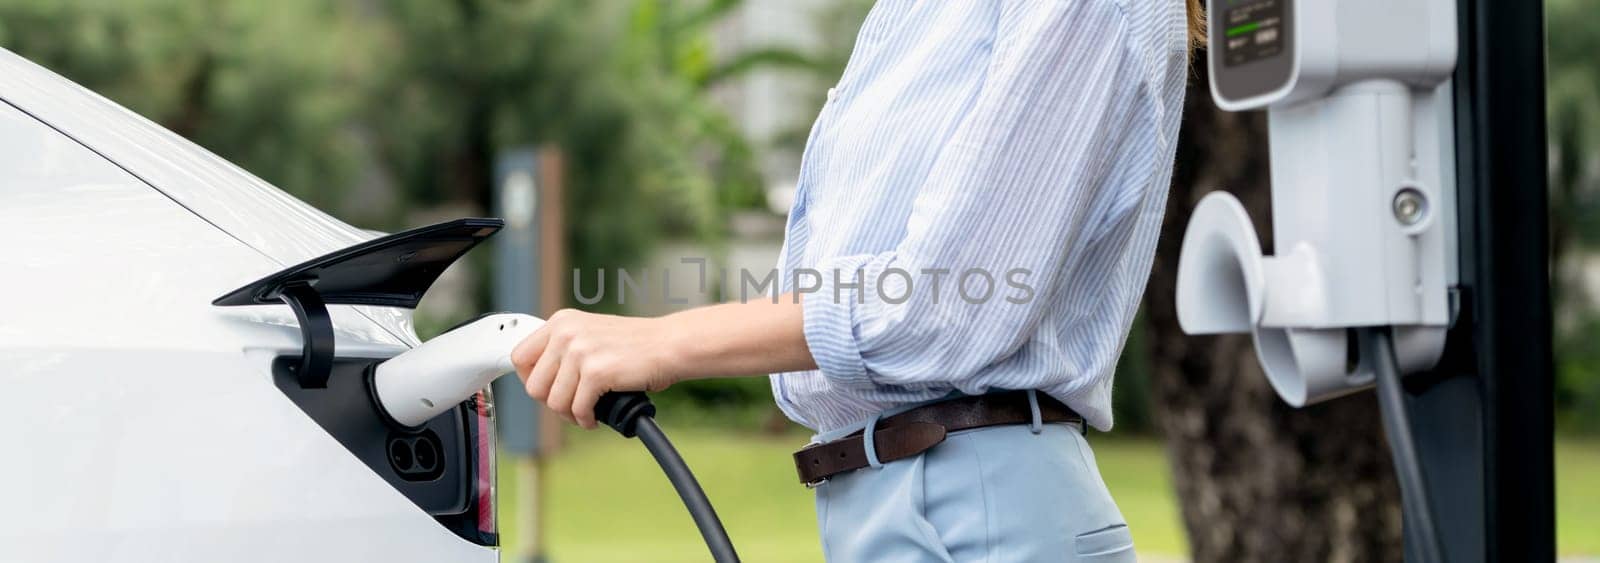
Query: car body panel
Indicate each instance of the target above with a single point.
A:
(143, 423)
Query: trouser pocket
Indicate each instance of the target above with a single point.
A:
(1112, 543)
(876, 515)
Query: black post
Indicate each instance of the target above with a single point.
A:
(1486, 423)
(1504, 48)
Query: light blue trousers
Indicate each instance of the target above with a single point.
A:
(999, 494)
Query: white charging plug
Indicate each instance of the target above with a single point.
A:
(427, 380)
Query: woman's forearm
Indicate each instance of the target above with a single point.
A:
(738, 339)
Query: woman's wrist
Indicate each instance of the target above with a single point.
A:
(677, 352)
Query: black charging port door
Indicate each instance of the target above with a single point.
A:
(389, 271)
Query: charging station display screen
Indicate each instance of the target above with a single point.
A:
(1252, 30)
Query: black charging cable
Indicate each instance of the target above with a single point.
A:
(1416, 511)
(632, 415)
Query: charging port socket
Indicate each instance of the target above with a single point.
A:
(416, 457)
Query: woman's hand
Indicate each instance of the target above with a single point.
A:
(576, 357)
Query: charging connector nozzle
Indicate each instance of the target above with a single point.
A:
(427, 380)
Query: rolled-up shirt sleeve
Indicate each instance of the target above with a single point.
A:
(1008, 200)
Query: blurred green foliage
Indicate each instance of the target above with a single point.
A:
(271, 86)
(620, 86)
(338, 101)
(1573, 112)
(416, 98)
(371, 110)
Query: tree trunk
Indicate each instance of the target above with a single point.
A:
(1259, 481)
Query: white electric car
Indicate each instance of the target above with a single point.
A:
(174, 388)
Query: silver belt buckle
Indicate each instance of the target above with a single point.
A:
(813, 484)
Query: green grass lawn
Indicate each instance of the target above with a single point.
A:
(607, 501)
(1578, 497)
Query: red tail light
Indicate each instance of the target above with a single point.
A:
(483, 429)
(476, 523)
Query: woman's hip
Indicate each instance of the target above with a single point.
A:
(996, 494)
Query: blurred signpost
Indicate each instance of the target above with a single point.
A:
(529, 259)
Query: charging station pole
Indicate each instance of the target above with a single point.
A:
(529, 261)
(1486, 422)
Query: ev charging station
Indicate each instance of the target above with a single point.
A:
(1408, 221)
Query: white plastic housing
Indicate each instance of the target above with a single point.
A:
(1364, 117)
(427, 380)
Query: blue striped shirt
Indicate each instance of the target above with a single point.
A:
(979, 201)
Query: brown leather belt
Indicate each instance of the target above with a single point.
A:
(917, 430)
